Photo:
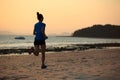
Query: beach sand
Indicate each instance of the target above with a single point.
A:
(93, 64)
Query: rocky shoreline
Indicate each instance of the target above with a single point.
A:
(73, 47)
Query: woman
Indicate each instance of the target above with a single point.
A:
(40, 37)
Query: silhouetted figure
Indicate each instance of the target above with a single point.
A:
(39, 41)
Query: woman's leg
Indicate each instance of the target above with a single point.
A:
(36, 50)
(43, 49)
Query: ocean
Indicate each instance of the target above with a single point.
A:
(9, 41)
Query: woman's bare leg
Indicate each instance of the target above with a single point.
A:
(43, 49)
(36, 50)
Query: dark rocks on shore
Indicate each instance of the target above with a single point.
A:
(8, 51)
(72, 47)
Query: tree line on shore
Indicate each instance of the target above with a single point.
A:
(99, 31)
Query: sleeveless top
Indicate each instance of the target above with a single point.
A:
(38, 31)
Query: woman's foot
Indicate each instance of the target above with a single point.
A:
(43, 67)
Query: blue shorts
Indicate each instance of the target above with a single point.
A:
(39, 42)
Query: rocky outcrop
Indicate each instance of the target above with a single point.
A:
(99, 31)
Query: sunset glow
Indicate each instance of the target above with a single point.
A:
(61, 16)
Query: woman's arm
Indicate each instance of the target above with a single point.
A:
(43, 31)
(34, 31)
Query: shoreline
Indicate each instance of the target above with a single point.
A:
(72, 47)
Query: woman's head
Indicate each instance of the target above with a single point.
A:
(40, 17)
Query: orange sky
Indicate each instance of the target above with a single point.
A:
(61, 16)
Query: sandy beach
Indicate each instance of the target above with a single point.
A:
(92, 64)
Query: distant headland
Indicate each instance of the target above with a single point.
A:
(99, 31)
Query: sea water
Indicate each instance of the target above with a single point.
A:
(9, 41)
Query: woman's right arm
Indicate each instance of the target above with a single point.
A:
(43, 31)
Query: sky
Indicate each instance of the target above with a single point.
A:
(62, 17)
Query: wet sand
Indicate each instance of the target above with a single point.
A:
(93, 64)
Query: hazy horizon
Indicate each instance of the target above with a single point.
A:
(61, 17)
